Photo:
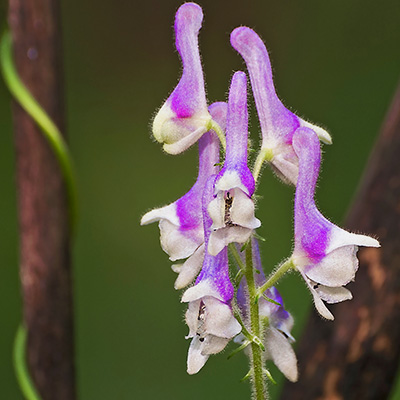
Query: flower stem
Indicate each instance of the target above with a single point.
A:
(220, 133)
(258, 381)
(279, 272)
(263, 155)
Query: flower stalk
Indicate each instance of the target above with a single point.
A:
(257, 375)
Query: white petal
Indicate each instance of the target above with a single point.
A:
(202, 289)
(337, 268)
(281, 353)
(182, 144)
(168, 212)
(219, 319)
(179, 244)
(320, 306)
(213, 344)
(220, 238)
(333, 294)
(242, 211)
(287, 170)
(230, 180)
(339, 237)
(322, 134)
(196, 359)
(191, 318)
(216, 210)
(190, 268)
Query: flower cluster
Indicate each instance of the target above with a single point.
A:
(199, 229)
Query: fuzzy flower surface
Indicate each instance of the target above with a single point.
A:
(324, 254)
(278, 124)
(232, 209)
(184, 117)
(209, 316)
(181, 222)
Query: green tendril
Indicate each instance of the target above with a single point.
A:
(47, 126)
(21, 371)
(59, 147)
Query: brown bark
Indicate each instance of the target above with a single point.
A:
(357, 355)
(45, 266)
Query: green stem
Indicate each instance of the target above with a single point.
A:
(276, 275)
(220, 133)
(263, 155)
(21, 371)
(236, 256)
(48, 127)
(258, 381)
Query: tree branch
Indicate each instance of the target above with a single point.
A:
(42, 202)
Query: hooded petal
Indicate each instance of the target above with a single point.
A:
(324, 253)
(232, 210)
(184, 117)
(318, 242)
(278, 124)
(181, 223)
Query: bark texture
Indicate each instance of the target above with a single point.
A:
(357, 355)
(45, 266)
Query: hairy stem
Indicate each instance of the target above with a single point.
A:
(258, 381)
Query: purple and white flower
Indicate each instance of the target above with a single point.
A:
(184, 117)
(324, 254)
(209, 315)
(232, 209)
(181, 222)
(278, 124)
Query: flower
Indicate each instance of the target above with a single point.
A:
(232, 209)
(184, 117)
(278, 124)
(181, 222)
(324, 254)
(275, 320)
(209, 315)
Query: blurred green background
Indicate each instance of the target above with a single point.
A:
(337, 63)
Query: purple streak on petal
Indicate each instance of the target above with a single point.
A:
(237, 133)
(189, 95)
(275, 119)
(311, 228)
(215, 268)
(189, 207)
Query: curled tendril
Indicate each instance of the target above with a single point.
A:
(47, 126)
(60, 149)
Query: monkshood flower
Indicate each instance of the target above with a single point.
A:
(324, 254)
(184, 117)
(209, 316)
(276, 321)
(232, 210)
(181, 223)
(278, 124)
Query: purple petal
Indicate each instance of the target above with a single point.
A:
(311, 227)
(275, 119)
(215, 268)
(189, 96)
(237, 135)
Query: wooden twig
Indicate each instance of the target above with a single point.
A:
(45, 265)
(357, 355)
